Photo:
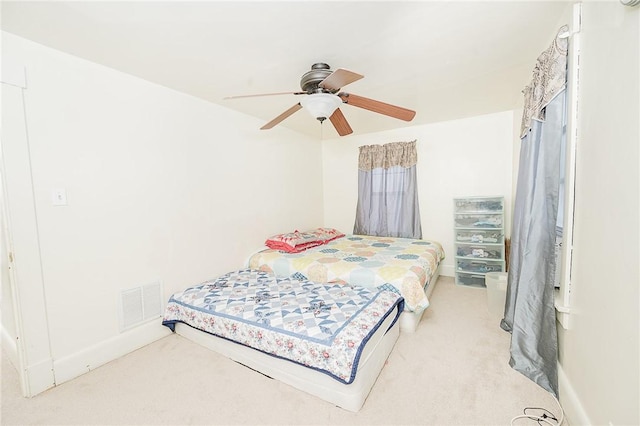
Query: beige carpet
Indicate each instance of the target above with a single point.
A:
(452, 371)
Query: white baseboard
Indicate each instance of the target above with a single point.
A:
(573, 410)
(39, 377)
(9, 347)
(447, 271)
(88, 359)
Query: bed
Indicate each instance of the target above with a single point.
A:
(407, 266)
(329, 340)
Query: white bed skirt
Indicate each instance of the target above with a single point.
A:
(350, 397)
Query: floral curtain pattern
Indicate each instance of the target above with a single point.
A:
(402, 154)
(549, 79)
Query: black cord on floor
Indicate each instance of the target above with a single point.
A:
(544, 418)
(545, 415)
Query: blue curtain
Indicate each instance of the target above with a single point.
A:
(387, 191)
(530, 314)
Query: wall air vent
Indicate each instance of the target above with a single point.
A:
(139, 304)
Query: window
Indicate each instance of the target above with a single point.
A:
(387, 191)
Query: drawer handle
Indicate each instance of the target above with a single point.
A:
(477, 276)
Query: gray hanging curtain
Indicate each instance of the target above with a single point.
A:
(529, 311)
(387, 191)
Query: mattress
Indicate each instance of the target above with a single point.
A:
(406, 266)
(329, 340)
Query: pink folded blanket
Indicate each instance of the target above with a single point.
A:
(296, 241)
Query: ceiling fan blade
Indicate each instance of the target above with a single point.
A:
(340, 123)
(339, 78)
(281, 117)
(264, 94)
(377, 106)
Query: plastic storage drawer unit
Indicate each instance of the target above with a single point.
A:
(474, 280)
(479, 238)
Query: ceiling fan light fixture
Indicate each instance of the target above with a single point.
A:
(321, 105)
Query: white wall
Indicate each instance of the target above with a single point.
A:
(160, 186)
(599, 354)
(466, 157)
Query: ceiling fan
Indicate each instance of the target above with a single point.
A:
(321, 87)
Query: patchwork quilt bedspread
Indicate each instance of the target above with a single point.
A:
(403, 265)
(321, 326)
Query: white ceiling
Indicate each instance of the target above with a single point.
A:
(444, 60)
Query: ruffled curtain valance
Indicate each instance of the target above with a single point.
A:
(388, 155)
(549, 79)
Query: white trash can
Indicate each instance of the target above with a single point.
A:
(496, 283)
